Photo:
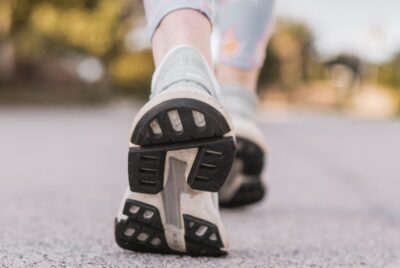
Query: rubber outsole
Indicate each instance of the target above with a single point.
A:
(247, 194)
(209, 171)
(210, 122)
(253, 190)
(176, 126)
(146, 234)
(252, 155)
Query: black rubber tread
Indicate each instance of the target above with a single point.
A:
(254, 160)
(202, 245)
(152, 227)
(211, 167)
(247, 194)
(252, 156)
(146, 170)
(216, 124)
(195, 245)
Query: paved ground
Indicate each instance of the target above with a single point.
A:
(334, 199)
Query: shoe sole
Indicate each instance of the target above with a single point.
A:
(244, 185)
(181, 151)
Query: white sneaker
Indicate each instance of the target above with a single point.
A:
(244, 185)
(181, 150)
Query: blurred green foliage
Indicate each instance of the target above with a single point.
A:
(133, 72)
(389, 73)
(43, 41)
(35, 33)
(88, 25)
(45, 29)
(291, 56)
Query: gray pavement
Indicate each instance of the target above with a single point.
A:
(334, 193)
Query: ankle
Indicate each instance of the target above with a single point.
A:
(177, 28)
(229, 75)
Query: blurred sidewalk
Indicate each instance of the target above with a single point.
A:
(334, 192)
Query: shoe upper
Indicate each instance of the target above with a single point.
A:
(242, 106)
(184, 66)
(240, 102)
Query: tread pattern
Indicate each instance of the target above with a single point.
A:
(180, 124)
(209, 171)
(247, 194)
(212, 165)
(253, 163)
(143, 231)
(169, 126)
(202, 237)
(215, 123)
(252, 156)
(146, 170)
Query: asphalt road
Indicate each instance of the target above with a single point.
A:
(334, 193)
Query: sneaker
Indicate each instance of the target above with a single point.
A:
(181, 150)
(244, 185)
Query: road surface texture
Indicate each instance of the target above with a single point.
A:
(334, 193)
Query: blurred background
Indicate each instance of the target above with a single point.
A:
(74, 73)
(321, 55)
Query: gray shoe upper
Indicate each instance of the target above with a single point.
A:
(184, 66)
(239, 102)
(242, 107)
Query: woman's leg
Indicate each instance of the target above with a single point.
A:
(171, 23)
(245, 28)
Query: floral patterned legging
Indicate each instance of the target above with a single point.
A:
(244, 26)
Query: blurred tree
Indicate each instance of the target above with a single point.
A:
(291, 56)
(88, 25)
(345, 70)
(5, 18)
(6, 48)
(46, 39)
(389, 72)
(36, 33)
(270, 72)
(133, 71)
